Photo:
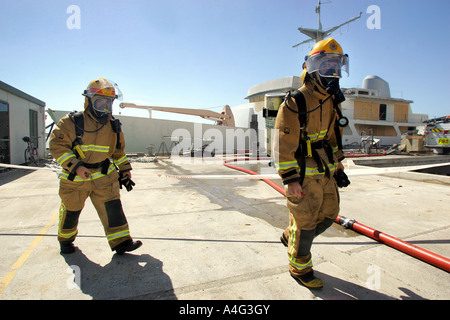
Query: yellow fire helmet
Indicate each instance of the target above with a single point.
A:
(103, 87)
(328, 59)
(100, 94)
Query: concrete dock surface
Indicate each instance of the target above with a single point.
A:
(219, 239)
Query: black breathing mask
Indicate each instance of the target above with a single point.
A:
(101, 110)
(332, 86)
(333, 89)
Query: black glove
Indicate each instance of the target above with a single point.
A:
(341, 178)
(125, 180)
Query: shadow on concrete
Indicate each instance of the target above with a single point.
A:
(126, 277)
(338, 289)
(9, 175)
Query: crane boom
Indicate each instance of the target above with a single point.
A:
(225, 118)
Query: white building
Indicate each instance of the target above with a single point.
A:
(370, 110)
(373, 112)
(20, 115)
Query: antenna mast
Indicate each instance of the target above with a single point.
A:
(316, 35)
(318, 12)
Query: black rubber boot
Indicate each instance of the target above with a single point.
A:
(127, 246)
(67, 247)
(284, 240)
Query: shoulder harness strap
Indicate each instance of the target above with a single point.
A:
(301, 105)
(78, 120)
(116, 126)
(300, 154)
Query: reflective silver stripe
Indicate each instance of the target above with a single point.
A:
(121, 160)
(315, 136)
(65, 157)
(62, 209)
(94, 176)
(315, 170)
(286, 165)
(92, 147)
(292, 259)
(119, 234)
(298, 265)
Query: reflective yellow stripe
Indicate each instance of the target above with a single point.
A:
(84, 148)
(286, 165)
(62, 209)
(120, 234)
(292, 259)
(319, 135)
(315, 170)
(92, 147)
(65, 157)
(298, 265)
(121, 160)
(67, 235)
(292, 238)
(94, 176)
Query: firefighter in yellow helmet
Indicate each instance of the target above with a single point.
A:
(308, 155)
(89, 146)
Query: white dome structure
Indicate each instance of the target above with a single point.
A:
(376, 83)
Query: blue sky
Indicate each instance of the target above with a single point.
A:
(205, 54)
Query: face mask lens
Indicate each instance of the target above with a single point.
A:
(102, 104)
(330, 68)
(345, 64)
(328, 64)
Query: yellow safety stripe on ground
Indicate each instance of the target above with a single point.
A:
(6, 280)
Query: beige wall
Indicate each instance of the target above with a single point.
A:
(401, 112)
(366, 110)
(386, 131)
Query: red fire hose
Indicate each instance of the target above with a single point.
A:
(269, 182)
(408, 248)
(405, 247)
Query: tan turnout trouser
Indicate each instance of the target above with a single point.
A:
(308, 217)
(105, 196)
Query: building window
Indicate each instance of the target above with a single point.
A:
(383, 108)
(4, 133)
(34, 128)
